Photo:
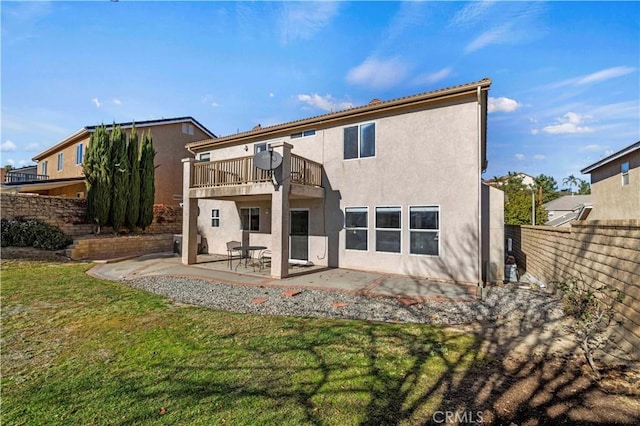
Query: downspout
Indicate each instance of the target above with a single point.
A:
(480, 282)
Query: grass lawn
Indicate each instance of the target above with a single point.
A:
(77, 350)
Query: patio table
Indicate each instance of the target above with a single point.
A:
(250, 250)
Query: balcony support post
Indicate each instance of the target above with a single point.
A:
(189, 216)
(280, 213)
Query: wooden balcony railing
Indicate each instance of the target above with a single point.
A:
(24, 177)
(238, 171)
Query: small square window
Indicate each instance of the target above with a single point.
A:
(215, 218)
(259, 147)
(205, 156)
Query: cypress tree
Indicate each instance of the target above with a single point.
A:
(120, 178)
(133, 204)
(96, 170)
(147, 181)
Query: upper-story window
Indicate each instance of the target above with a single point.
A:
(360, 141)
(624, 169)
(259, 147)
(79, 152)
(60, 158)
(43, 171)
(205, 156)
(304, 134)
(187, 129)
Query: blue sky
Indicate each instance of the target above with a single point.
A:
(566, 85)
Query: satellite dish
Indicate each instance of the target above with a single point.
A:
(267, 160)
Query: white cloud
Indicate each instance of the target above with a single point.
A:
(519, 157)
(433, 77)
(592, 148)
(8, 146)
(595, 77)
(33, 147)
(569, 123)
(502, 104)
(271, 94)
(326, 103)
(494, 36)
(117, 102)
(539, 157)
(471, 12)
(96, 102)
(302, 20)
(378, 74)
(10, 161)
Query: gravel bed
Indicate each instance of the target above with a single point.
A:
(509, 302)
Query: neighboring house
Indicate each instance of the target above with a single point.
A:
(527, 180)
(391, 186)
(563, 210)
(22, 174)
(615, 185)
(61, 164)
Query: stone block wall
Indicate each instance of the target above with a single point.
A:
(69, 214)
(102, 247)
(597, 252)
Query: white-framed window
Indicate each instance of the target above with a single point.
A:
(79, 152)
(388, 229)
(356, 225)
(204, 156)
(424, 230)
(259, 147)
(43, 170)
(250, 218)
(304, 134)
(60, 161)
(360, 141)
(215, 218)
(624, 170)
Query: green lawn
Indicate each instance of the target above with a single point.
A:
(77, 350)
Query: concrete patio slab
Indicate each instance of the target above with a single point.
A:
(216, 269)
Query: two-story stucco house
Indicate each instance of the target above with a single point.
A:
(393, 186)
(59, 167)
(615, 185)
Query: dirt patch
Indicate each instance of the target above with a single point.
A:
(30, 253)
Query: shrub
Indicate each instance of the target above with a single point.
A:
(33, 233)
(593, 309)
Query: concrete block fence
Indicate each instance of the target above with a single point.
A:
(597, 252)
(69, 214)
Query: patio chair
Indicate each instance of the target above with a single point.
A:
(231, 247)
(263, 258)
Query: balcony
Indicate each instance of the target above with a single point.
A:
(239, 176)
(15, 177)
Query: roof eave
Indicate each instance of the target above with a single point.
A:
(612, 157)
(405, 102)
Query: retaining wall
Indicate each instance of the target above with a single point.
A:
(597, 252)
(103, 247)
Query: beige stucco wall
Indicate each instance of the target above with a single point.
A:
(428, 157)
(612, 200)
(169, 143)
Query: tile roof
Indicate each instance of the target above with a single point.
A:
(371, 107)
